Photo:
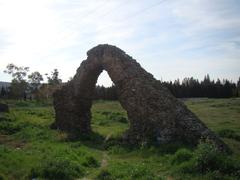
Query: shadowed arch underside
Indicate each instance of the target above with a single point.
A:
(155, 115)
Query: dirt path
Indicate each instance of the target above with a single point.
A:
(107, 137)
(104, 161)
(105, 158)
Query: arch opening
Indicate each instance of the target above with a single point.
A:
(104, 80)
(154, 114)
(109, 118)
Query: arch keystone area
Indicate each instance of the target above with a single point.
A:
(155, 115)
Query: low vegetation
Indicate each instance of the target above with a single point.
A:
(29, 149)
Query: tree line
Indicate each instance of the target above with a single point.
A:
(26, 85)
(190, 87)
(187, 88)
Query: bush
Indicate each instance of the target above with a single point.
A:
(181, 156)
(90, 162)
(187, 167)
(7, 127)
(207, 159)
(57, 169)
(104, 175)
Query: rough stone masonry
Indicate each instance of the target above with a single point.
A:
(155, 115)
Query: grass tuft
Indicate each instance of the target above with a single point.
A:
(182, 155)
(58, 168)
(90, 161)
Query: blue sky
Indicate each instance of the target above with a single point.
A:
(170, 38)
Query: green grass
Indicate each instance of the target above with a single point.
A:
(30, 149)
(219, 115)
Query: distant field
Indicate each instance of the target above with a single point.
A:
(30, 149)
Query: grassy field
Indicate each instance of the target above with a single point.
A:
(30, 149)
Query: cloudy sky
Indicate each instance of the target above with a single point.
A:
(170, 38)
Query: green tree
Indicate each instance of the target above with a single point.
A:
(18, 73)
(54, 79)
(34, 80)
(19, 85)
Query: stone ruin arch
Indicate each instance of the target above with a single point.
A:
(155, 115)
